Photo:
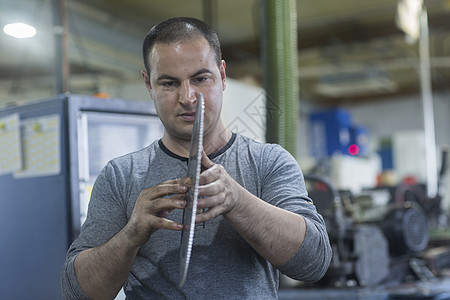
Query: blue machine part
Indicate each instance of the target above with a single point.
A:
(387, 160)
(359, 141)
(332, 132)
(329, 132)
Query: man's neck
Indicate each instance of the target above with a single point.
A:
(211, 143)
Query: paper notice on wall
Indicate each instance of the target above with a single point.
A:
(40, 147)
(10, 144)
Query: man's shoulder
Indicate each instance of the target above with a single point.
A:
(256, 146)
(141, 155)
(269, 153)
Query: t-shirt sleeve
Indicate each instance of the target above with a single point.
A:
(106, 217)
(284, 186)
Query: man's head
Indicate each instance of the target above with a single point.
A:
(182, 59)
(179, 29)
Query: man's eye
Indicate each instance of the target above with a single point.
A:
(200, 79)
(168, 83)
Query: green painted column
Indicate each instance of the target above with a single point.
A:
(280, 64)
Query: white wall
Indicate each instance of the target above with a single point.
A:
(244, 109)
(133, 90)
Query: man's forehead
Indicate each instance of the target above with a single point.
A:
(179, 43)
(161, 48)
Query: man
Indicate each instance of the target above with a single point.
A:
(258, 218)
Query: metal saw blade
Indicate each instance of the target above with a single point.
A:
(193, 172)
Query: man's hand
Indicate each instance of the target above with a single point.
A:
(152, 209)
(218, 192)
(102, 271)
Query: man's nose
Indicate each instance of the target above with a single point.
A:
(187, 93)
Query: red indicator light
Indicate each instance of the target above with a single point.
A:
(353, 149)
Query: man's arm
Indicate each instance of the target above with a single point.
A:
(102, 271)
(275, 233)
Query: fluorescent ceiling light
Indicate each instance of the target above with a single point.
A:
(355, 84)
(408, 16)
(19, 30)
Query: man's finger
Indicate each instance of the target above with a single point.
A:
(159, 204)
(206, 162)
(164, 189)
(167, 224)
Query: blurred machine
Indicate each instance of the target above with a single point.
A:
(381, 238)
(367, 234)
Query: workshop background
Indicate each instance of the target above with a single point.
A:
(357, 90)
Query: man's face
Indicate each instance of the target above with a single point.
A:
(179, 73)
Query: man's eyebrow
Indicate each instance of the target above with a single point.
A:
(169, 77)
(166, 77)
(201, 71)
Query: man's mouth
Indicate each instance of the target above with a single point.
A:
(188, 116)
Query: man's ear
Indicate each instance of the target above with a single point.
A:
(146, 78)
(223, 74)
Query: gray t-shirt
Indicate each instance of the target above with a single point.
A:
(223, 264)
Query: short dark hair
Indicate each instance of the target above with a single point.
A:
(179, 29)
